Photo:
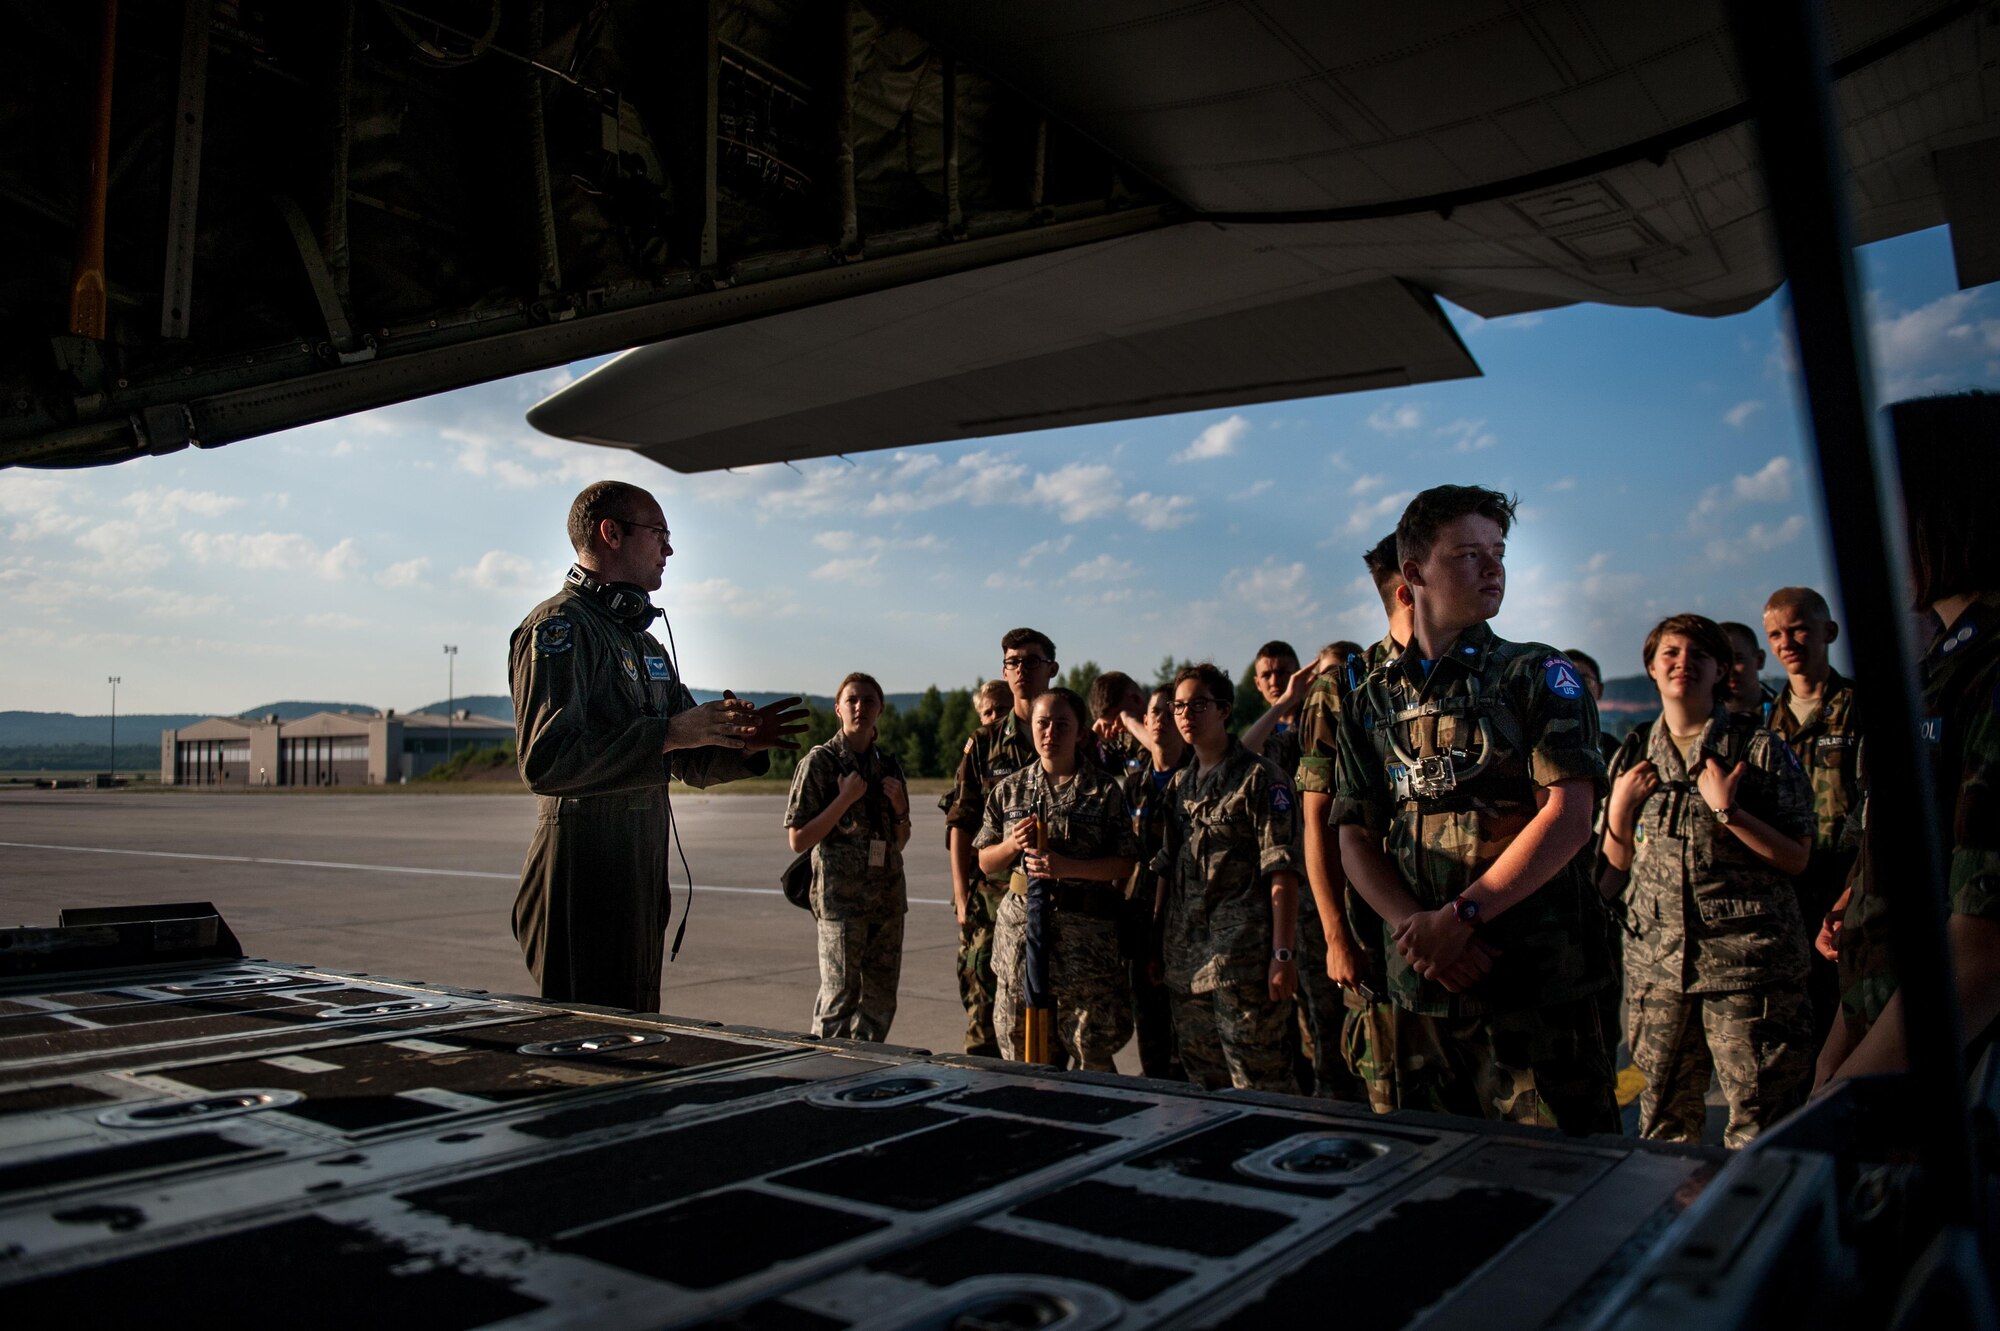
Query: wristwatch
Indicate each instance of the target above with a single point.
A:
(1466, 910)
(1723, 816)
(1281, 954)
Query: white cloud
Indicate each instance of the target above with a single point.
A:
(1467, 436)
(1368, 517)
(1079, 491)
(498, 571)
(161, 505)
(859, 570)
(284, 552)
(1395, 417)
(836, 541)
(1363, 484)
(1058, 546)
(1566, 483)
(1252, 490)
(1742, 412)
(1104, 568)
(334, 620)
(1769, 484)
(721, 596)
(409, 573)
(1159, 512)
(1272, 588)
(1756, 540)
(1217, 441)
(1938, 347)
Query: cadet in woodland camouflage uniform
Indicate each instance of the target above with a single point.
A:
(1815, 713)
(1355, 959)
(1709, 818)
(1090, 850)
(1228, 898)
(1028, 663)
(602, 723)
(1476, 761)
(1950, 471)
(1115, 696)
(851, 808)
(1612, 996)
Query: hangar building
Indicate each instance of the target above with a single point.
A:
(324, 749)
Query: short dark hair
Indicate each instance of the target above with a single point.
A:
(1734, 627)
(1586, 660)
(1385, 568)
(1210, 676)
(1704, 633)
(600, 500)
(1950, 471)
(1015, 639)
(1068, 698)
(1340, 651)
(1277, 649)
(1798, 598)
(1427, 514)
(857, 677)
(1108, 690)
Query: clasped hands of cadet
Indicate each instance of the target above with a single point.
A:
(1439, 946)
(1035, 863)
(731, 722)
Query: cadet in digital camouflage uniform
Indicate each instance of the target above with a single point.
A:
(850, 806)
(1709, 819)
(1229, 867)
(1145, 790)
(1368, 1027)
(1950, 471)
(1496, 961)
(1089, 854)
(601, 723)
(1028, 663)
(1275, 735)
(1815, 713)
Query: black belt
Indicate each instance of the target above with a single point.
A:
(1091, 900)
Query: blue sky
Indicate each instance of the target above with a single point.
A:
(1657, 457)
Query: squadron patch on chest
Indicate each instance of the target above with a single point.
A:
(1561, 677)
(554, 636)
(631, 666)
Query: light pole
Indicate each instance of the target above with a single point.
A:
(450, 693)
(114, 681)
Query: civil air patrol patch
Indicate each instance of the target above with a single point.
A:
(554, 636)
(1561, 678)
(656, 667)
(631, 666)
(1281, 799)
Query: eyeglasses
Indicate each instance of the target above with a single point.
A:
(665, 535)
(1023, 662)
(1192, 706)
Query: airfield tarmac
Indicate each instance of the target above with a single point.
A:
(420, 886)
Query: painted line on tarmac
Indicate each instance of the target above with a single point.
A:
(368, 868)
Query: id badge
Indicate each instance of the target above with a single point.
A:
(878, 854)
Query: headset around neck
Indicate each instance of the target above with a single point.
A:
(628, 602)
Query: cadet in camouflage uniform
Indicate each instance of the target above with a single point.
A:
(1229, 867)
(1950, 472)
(1815, 713)
(1114, 696)
(1089, 856)
(1449, 754)
(1709, 818)
(601, 723)
(1145, 790)
(850, 807)
(1368, 1021)
(1028, 660)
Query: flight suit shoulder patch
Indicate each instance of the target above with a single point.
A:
(554, 636)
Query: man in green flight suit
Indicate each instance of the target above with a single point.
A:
(602, 724)
(1475, 760)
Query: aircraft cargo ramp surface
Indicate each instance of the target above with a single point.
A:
(187, 1134)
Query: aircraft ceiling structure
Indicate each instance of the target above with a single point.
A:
(831, 227)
